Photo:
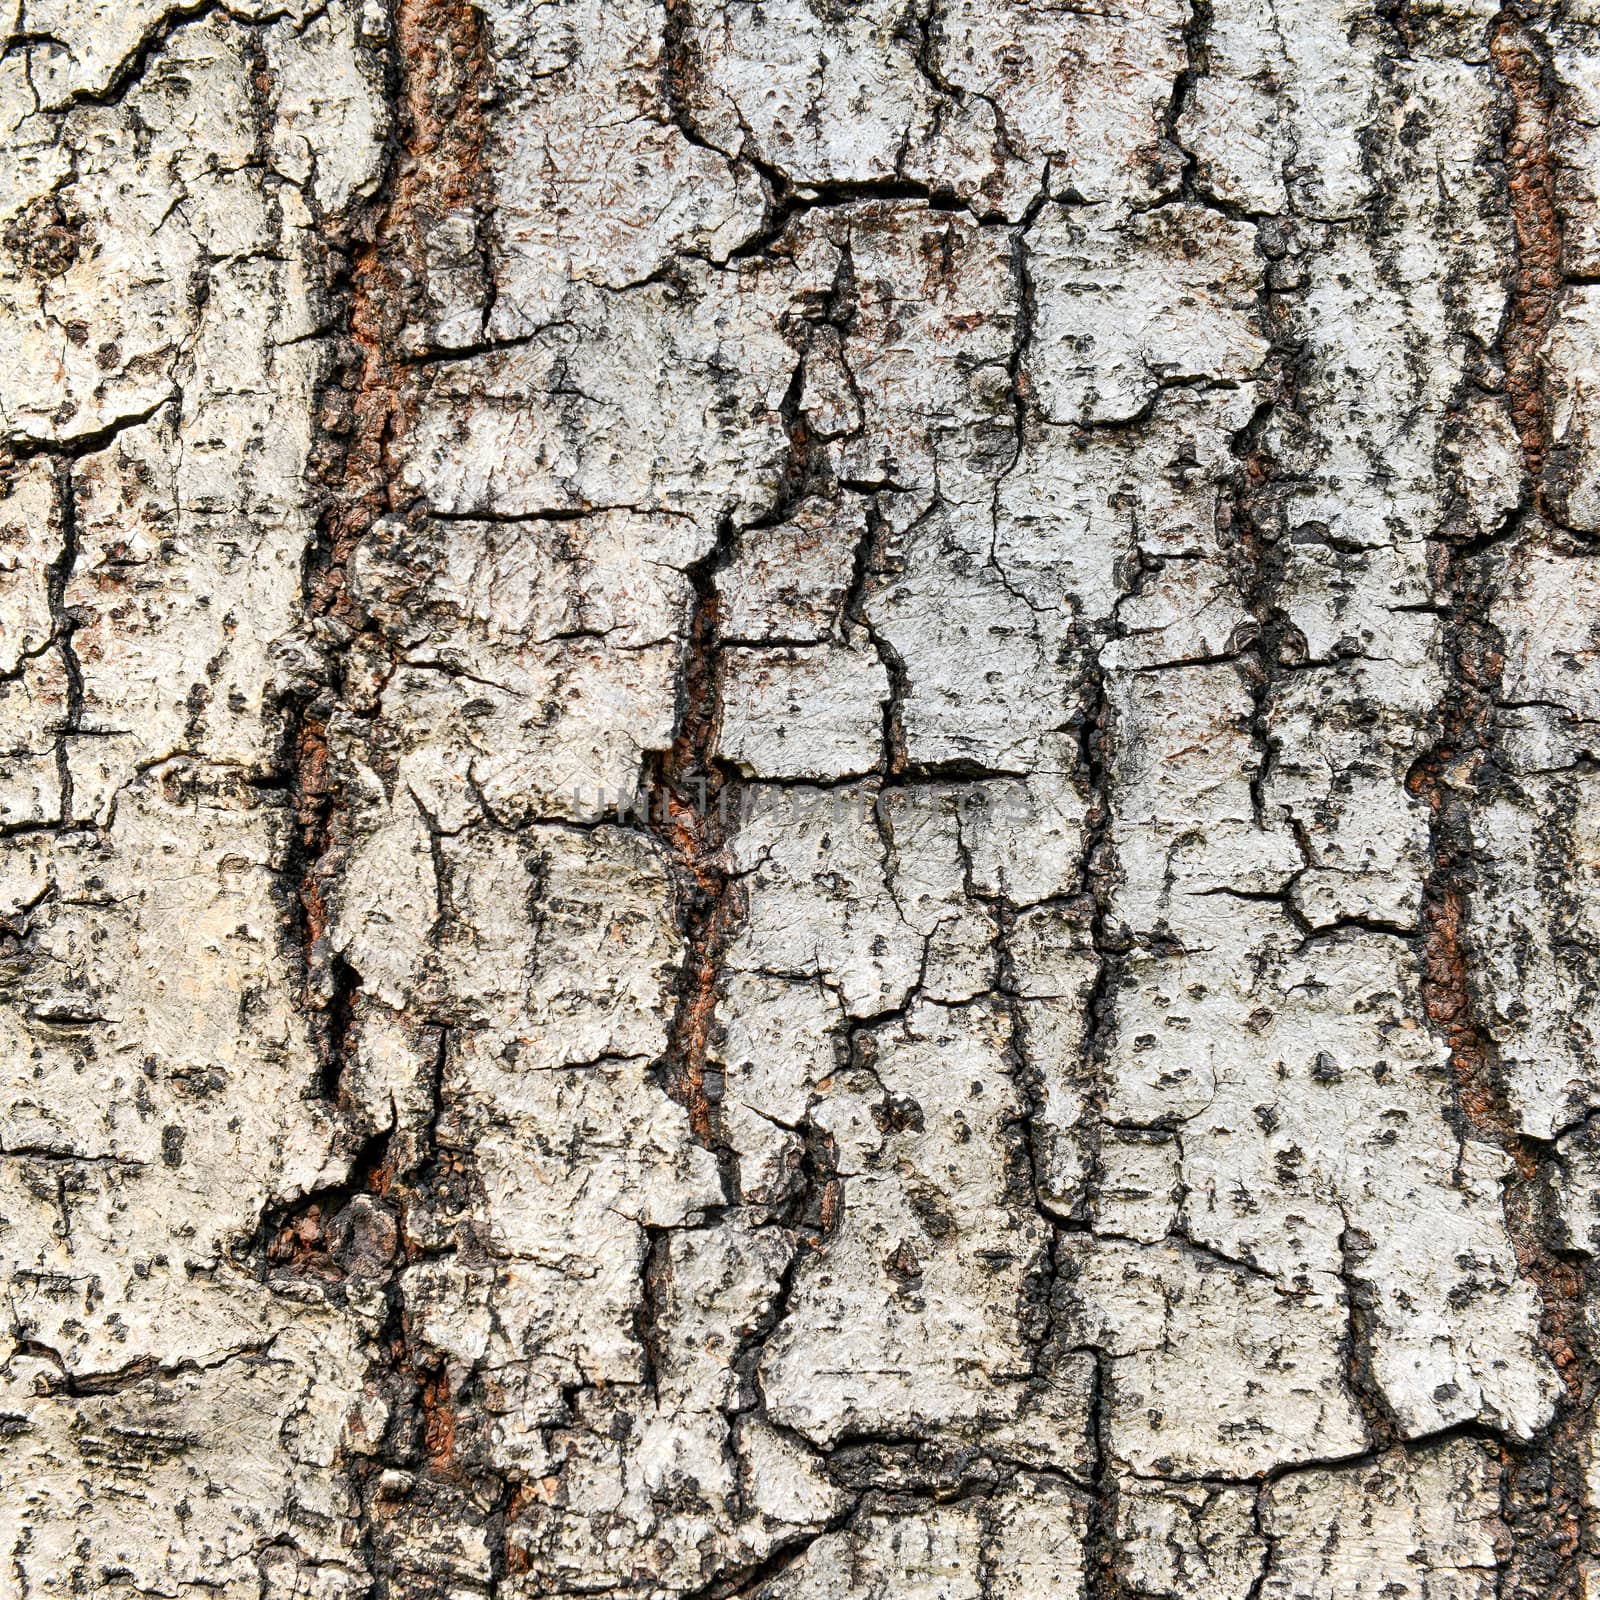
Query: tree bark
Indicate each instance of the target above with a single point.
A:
(798, 798)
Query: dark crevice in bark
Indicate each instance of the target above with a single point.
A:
(652, 1280)
(688, 800)
(401, 1200)
(332, 1233)
(1520, 59)
(1383, 1427)
(1040, 1289)
(434, 164)
(22, 447)
(1095, 889)
(1252, 522)
(748, 1582)
(692, 799)
(787, 198)
(1103, 1558)
(1542, 1484)
(873, 561)
(135, 1374)
(129, 72)
(1542, 1489)
(691, 802)
(58, 575)
(1196, 33)
(336, 1021)
(1250, 519)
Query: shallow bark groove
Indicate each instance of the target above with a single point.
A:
(798, 800)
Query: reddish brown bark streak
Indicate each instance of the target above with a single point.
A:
(686, 800)
(1542, 1487)
(1530, 182)
(438, 166)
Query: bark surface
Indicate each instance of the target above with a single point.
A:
(799, 799)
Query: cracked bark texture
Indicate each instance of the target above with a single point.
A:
(798, 799)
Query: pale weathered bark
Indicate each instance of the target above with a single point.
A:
(800, 798)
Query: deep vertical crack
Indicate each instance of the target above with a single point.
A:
(686, 800)
(431, 1459)
(1542, 1489)
(1520, 59)
(57, 576)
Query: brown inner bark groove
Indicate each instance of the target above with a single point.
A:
(436, 163)
(1542, 1485)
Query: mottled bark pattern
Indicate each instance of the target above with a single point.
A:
(800, 799)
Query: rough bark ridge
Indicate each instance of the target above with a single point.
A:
(798, 799)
